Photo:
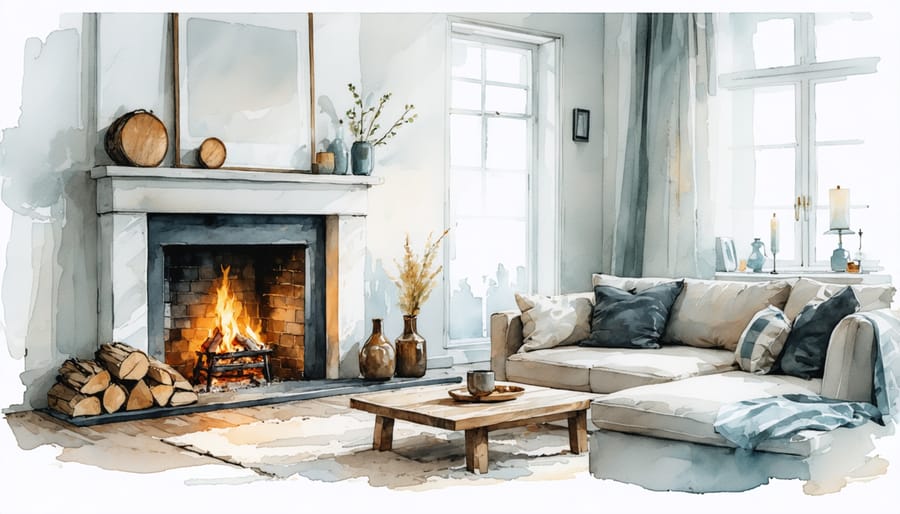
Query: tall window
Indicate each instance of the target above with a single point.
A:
(803, 95)
(493, 120)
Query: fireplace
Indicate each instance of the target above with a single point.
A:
(294, 245)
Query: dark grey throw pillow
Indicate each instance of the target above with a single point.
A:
(622, 319)
(805, 349)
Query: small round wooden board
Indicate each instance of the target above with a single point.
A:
(212, 153)
(502, 393)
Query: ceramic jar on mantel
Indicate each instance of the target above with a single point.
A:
(362, 158)
(411, 355)
(377, 359)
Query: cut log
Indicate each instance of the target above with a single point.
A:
(63, 398)
(183, 385)
(139, 397)
(211, 345)
(123, 362)
(247, 342)
(180, 398)
(84, 376)
(161, 394)
(160, 372)
(114, 398)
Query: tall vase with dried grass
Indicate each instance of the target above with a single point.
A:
(416, 278)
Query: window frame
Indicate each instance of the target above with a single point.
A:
(804, 75)
(542, 191)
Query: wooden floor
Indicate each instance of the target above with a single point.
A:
(110, 445)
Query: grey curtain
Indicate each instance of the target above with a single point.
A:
(660, 67)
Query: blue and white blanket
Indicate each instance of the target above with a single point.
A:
(748, 423)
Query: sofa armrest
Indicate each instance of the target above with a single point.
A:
(850, 361)
(506, 338)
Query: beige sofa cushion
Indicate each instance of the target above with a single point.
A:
(805, 290)
(713, 313)
(605, 370)
(686, 410)
(549, 321)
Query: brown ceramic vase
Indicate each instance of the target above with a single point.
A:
(411, 356)
(377, 360)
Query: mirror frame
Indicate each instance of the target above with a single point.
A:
(181, 103)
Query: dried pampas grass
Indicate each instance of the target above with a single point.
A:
(417, 276)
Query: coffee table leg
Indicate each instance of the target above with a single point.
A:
(477, 450)
(384, 433)
(578, 442)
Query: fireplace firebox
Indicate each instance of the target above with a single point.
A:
(237, 298)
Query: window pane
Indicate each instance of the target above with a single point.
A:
(506, 99)
(508, 192)
(507, 144)
(851, 167)
(773, 115)
(846, 109)
(466, 192)
(774, 178)
(844, 36)
(465, 95)
(773, 43)
(507, 65)
(485, 272)
(466, 60)
(465, 140)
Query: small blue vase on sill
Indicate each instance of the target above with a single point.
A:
(757, 255)
(339, 150)
(362, 158)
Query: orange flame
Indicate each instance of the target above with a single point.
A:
(230, 318)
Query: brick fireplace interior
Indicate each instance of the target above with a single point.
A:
(276, 275)
(268, 283)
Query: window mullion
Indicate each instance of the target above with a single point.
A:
(807, 173)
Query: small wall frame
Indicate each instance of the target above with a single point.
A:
(581, 124)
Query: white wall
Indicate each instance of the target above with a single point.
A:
(49, 283)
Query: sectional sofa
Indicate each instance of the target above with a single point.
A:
(656, 408)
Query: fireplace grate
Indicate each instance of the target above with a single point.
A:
(214, 364)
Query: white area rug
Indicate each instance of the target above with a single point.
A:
(339, 447)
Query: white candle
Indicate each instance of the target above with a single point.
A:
(839, 201)
(773, 229)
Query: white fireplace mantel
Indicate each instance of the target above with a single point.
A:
(125, 196)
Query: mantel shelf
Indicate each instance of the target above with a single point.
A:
(229, 175)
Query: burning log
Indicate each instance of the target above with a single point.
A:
(63, 398)
(123, 362)
(114, 398)
(84, 376)
(211, 345)
(139, 397)
(247, 342)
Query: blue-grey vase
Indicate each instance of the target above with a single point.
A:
(757, 256)
(362, 158)
(340, 155)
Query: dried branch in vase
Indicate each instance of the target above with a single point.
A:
(417, 275)
(366, 131)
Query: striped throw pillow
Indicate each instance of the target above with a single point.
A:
(762, 341)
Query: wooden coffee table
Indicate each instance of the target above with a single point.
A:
(434, 407)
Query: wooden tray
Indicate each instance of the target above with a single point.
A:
(502, 393)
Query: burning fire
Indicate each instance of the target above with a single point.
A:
(231, 321)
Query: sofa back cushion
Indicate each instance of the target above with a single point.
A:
(622, 319)
(805, 291)
(549, 321)
(762, 341)
(713, 313)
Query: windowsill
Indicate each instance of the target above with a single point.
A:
(822, 275)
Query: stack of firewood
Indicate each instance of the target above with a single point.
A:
(120, 377)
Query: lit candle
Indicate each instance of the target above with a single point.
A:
(773, 229)
(839, 202)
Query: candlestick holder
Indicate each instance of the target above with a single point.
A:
(774, 263)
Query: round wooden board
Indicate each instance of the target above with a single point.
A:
(501, 394)
(137, 138)
(212, 153)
